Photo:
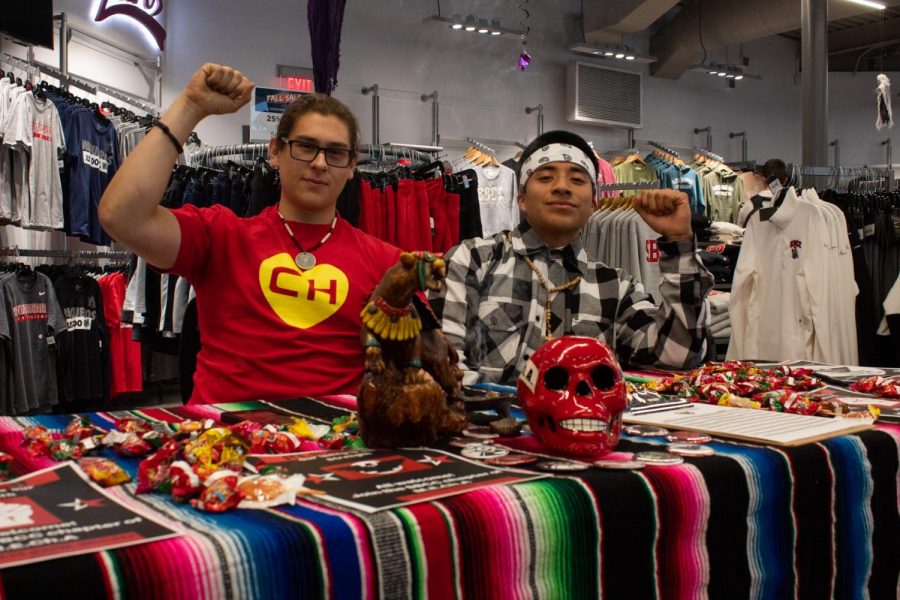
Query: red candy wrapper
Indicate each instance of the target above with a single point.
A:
(284, 442)
(219, 493)
(185, 483)
(132, 425)
(153, 471)
(133, 447)
(78, 429)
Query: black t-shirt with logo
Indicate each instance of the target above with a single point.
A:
(85, 362)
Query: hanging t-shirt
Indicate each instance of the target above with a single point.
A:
(31, 319)
(497, 191)
(18, 159)
(33, 126)
(92, 154)
(268, 329)
(124, 353)
(85, 346)
(5, 158)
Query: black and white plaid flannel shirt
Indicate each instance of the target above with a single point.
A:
(492, 305)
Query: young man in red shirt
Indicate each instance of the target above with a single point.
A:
(278, 294)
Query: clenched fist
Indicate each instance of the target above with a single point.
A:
(218, 90)
(667, 212)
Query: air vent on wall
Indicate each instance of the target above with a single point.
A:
(603, 96)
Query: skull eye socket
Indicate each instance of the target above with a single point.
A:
(603, 377)
(556, 378)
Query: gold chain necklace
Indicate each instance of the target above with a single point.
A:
(551, 294)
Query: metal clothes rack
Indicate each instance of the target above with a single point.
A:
(92, 87)
(468, 141)
(708, 154)
(377, 153)
(838, 177)
(624, 187)
(665, 149)
(203, 157)
(68, 254)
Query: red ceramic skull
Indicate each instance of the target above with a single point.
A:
(573, 393)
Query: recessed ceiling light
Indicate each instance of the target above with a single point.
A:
(629, 57)
(496, 33)
(456, 26)
(620, 55)
(738, 77)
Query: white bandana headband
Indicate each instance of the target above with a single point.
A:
(557, 153)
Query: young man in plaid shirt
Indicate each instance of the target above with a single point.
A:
(507, 294)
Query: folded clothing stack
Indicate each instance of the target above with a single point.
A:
(721, 231)
(719, 323)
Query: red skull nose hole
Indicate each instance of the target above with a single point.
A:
(583, 389)
(556, 378)
(603, 377)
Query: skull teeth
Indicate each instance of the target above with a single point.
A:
(584, 424)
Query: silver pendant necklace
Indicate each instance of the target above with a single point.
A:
(306, 260)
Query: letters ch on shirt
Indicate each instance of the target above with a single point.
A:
(302, 299)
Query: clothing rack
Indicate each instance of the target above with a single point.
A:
(91, 87)
(202, 157)
(706, 153)
(879, 178)
(379, 153)
(482, 147)
(468, 141)
(622, 187)
(76, 254)
(665, 149)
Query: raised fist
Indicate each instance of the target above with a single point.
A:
(218, 90)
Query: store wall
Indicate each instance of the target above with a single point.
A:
(481, 91)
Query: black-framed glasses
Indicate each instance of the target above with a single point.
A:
(307, 152)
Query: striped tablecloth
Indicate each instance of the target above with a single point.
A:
(816, 521)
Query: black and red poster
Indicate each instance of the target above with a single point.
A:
(373, 480)
(58, 512)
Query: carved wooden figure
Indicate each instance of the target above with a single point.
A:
(411, 369)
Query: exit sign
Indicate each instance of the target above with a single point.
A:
(296, 79)
(297, 84)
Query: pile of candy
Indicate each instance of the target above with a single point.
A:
(194, 461)
(743, 384)
(879, 386)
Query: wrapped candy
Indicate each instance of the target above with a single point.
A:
(264, 491)
(64, 449)
(37, 440)
(104, 471)
(132, 425)
(78, 429)
(284, 442)
(183, 481)
(133, 447)
(219, 492)
(153, 471)
(245, 430)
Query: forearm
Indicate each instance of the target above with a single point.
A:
(674, 336)
(131, 201)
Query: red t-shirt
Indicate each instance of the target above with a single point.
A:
(125, 374)
(269, 331)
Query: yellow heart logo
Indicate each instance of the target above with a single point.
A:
(302, 299)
